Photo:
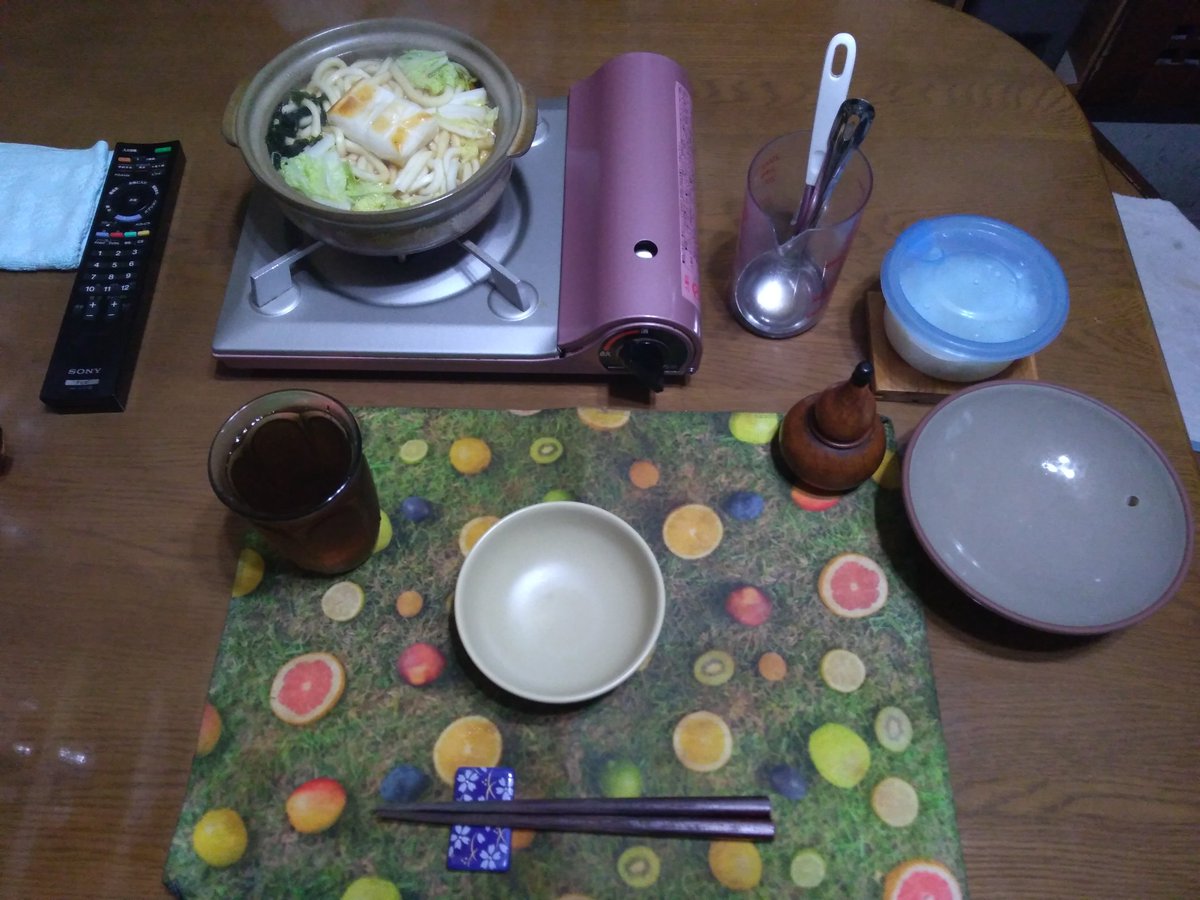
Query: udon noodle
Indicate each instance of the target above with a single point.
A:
(383, 133)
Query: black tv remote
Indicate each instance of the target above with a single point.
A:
(94, 357)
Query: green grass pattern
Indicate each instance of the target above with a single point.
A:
(381, 721)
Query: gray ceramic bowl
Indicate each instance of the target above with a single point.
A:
(1048, 507)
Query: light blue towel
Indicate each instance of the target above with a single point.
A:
(47, 198)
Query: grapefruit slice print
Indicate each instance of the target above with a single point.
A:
(921, 879)
(307, 687)
(852, 586)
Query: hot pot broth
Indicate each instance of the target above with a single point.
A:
(383, 133)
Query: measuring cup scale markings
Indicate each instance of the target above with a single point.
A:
(769, 172)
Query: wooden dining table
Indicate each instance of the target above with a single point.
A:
(1075, 762)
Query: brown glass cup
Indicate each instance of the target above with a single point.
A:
(291, 463)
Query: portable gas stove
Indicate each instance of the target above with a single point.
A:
(587, 265)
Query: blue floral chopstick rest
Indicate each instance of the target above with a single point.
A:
(476, 848)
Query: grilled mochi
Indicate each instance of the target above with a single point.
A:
(390, 126)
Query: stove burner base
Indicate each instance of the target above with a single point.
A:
(437, 310)
(586, 266)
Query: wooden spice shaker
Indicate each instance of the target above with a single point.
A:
(834, 440)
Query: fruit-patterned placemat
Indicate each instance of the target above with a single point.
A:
(793, 662)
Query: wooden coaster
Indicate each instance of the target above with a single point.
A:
(897, 380)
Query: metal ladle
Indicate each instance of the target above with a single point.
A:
(767, 290)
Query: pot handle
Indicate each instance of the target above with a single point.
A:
(523, 139)
(229, 119)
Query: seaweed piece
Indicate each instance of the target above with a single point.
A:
(283, 140)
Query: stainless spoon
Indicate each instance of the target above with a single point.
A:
(777, 293)
(849, 130)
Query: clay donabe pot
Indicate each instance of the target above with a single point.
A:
(394, 231)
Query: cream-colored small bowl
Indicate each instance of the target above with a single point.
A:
(559, 602)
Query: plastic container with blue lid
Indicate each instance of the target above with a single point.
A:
(968, 295)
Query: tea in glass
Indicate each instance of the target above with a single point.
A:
(291, 463)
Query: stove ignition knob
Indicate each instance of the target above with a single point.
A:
(646, 360)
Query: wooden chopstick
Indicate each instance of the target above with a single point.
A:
(711, 829)
(746, 818)
(697, 807)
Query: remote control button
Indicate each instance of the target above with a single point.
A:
(131, 201)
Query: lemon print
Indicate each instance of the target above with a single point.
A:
(412, 452)
(736, 864)
(702, 741)
(840, 755)
(219, 838)
(371, 888)
(888, 475)
(469, 741)
(469, 534)
(843, 670)
(470, 455)
(895, 802)
(620, 778)
(343, 601)
(249, 574)
(754, 428)
(692, 531)
(385, 532)
(603, 419)
(807, 869)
